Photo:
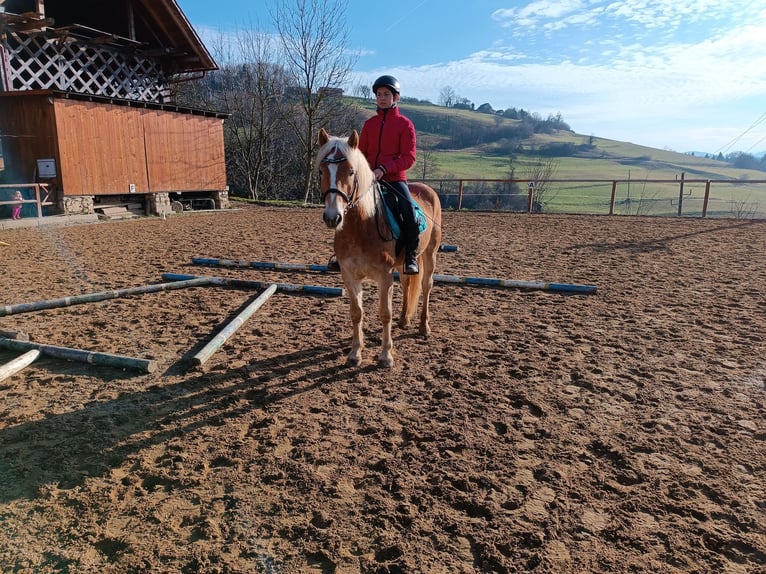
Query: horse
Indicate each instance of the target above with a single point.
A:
(364, 243)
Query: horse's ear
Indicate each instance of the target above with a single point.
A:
(324, 137)
(353, 139)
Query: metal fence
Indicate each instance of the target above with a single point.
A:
(682, 197)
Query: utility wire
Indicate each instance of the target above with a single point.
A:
(728, 146)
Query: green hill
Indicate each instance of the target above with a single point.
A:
(466, 144)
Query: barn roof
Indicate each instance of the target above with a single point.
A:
(156, 28)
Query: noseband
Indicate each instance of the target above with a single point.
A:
(348, 199)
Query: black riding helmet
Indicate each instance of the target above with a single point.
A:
(386, 82)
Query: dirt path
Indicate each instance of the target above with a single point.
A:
(533, 432)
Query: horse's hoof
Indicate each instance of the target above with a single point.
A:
(353, 361)
(386, 361)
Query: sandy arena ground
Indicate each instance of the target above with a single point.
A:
(533, 432)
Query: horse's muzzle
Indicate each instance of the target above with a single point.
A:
(332, 220)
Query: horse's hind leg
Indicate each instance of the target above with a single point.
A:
(429, 266)
(407, 311)
(357, 315)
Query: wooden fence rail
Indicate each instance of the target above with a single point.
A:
(532, 187)
(41, 195)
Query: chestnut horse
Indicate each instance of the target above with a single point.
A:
(364, 244)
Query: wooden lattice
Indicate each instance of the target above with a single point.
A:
(39, 62)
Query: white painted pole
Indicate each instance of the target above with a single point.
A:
(224, 334)
(18, 364)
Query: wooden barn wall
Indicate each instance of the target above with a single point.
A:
(105, 148)
(28, 129)
(184, 152)
(100, 148)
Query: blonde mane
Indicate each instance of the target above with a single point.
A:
(365, 198)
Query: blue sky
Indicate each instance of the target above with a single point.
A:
(687, 75)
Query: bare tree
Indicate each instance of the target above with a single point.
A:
(362, 91)
(248, 86)
(314, 37)
(447, 97)
(539, 172)
(425, 166)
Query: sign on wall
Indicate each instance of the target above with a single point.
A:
(46, 168)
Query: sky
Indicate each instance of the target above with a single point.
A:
(684, 75)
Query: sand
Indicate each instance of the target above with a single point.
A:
(622, 431)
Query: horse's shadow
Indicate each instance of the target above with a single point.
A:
(64, 449)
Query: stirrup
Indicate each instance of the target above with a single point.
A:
(332, 263)
(411, 266)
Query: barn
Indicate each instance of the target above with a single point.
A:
(85, 105)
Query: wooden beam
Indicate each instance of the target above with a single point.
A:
(18, 364)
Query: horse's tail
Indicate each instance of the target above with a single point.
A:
(411, 298)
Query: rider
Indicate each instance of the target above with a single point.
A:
(388, 142)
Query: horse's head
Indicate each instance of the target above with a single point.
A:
(345, 177)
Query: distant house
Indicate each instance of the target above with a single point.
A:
(85, 104)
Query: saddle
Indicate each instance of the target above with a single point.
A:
(394, 217)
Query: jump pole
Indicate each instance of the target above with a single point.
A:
(79, 355)
(18, 364)
(513, 283)
(224, 334)
(289, 287)
(453, 279)
(18, 335)
(258, 264)
(100, 296)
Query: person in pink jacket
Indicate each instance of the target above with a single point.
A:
(17, 207)
(388, 142)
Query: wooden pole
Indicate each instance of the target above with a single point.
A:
(513, 283)
(225, 333)
(611, 201)
(79, 355)
(258, 264)
(707, 198)
(18, 364)
(308, 289)
(100, 296)
(681, 195)
(454, 279)
(18, 335)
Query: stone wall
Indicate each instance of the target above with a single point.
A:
(76, 204)
(157, 203)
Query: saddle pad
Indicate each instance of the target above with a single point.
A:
(392, 216)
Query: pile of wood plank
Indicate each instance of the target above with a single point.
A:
(120, 211)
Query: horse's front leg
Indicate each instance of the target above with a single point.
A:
(355, 294)
(386, 290)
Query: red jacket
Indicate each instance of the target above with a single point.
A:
(388, 141)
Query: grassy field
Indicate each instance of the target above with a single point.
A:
(604, 159)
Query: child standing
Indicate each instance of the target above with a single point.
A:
(17, 207)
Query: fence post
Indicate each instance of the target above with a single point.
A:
(611, 201)
(460, 195)
(530, 196)
(39, 203)
(707, 197)
(681, 195)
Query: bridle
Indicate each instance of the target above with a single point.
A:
(352, 200)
